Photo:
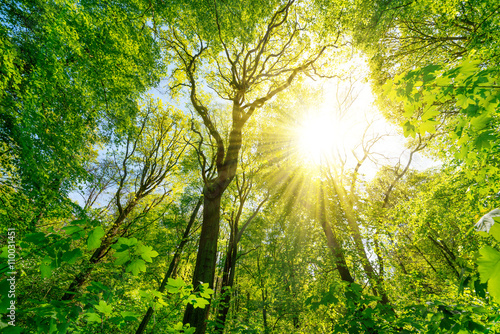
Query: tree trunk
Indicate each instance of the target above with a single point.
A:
(172, 266)
(98, 254)
(332, 242)
(263, 293)
(227, 283)
(204, 271)
(376, 281)
(230, 261)
(264, 318)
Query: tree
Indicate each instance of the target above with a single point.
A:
(219, 189)
(173, 263)
(150, 154)
(244, 186)
(251, 62)
(437, 65)
(71, 75)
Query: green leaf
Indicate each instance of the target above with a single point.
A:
(145, 294)
(12, 330)
(468, 67)
(199, 302)
(124, 243)
(94, 239)
(480, 310)
(36, 238)
(480, 122)
(489, 270)
(46, 267)
(484, 140)
(136, 266)
(4, 253)
(189, 330)
(428, 126)
(328, 299)
(487, 262)
(78, 235)
(103, 307)
(93, 317)
(178, 283)
(431, 69)
(83, 221)
(495, 231)
(431, 111)
(72, 256)
(156, 294)
(146, 252)
(205, 291)
(129, 316)
(122, 257)
(72, 229)
(4, 301)
(408, 129)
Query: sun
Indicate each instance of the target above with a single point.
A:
(318, 137)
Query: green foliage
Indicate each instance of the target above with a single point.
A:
(136, 266)
(146, 252)
(51, 250)
(133, 254)
(426, 93)
(440, 317)
(104, 308)
(488, 263)
(489, 269)
(75, 118)
(67, 85)
(361, 312)
(94, 239)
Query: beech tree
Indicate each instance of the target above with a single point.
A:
(436, 70)
(205, 210)
(66, 85)
(152, 150)
(247, 63)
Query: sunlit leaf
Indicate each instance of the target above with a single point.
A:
(94, 239)
(489, 270)
(200, 302)
(122, 257)
(146, 252)
(136, 267)
(93, 317)
(103, 307)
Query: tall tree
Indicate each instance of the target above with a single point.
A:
(149, 155)
(435, 70)
(71, 72)
(244, 185)
(174, 263)
(246, 62)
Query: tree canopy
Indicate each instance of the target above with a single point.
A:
(301, 166)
